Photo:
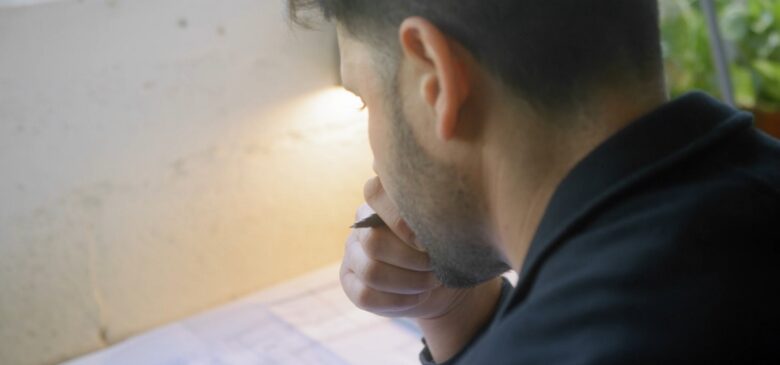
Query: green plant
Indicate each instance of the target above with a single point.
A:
(751, 29)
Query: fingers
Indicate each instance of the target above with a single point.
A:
(363, 212)
(376, 301)
(388, 278)
(380, 202)
(391, 279)
(380, 244)
(383, 271)
(376, 197)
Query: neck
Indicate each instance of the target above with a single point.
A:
(530, 158)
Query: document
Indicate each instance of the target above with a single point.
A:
(305, 321)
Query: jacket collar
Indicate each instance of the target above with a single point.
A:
(645, 147)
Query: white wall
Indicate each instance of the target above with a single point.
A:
(159, 157)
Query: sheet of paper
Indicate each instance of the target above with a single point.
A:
(305, 321)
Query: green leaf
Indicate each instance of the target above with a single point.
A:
(744, 86)
(768, 82)
(763, 23)
(735, 21)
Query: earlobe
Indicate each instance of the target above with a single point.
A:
(443, 84)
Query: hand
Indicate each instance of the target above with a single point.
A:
(385, 271)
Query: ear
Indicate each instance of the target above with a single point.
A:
(443, 82)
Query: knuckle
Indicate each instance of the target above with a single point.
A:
(357, 293)
(349, 251)
(364, 299)
(371, 189)
(372, 246)
(363, 211)
(403, 229)
(350, 239)
(372, 274)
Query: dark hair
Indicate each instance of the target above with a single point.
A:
(551, 52)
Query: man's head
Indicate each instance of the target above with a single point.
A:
(444, 79)
(551, 52)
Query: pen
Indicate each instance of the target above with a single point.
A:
(373, 221)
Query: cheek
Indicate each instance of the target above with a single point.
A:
(379, 139)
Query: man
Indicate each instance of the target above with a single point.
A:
(536, 135)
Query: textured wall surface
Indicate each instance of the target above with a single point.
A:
(160, 157)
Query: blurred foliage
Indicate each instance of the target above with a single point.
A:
(751, 29)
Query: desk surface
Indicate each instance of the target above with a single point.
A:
(307, 320)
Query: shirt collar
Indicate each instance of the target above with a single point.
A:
(648, 145)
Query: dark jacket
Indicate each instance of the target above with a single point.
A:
(661, 247)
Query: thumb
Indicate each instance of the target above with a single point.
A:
(378, 200)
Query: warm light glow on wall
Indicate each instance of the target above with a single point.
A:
(338, 100)
(333, 106)
(331, 116)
